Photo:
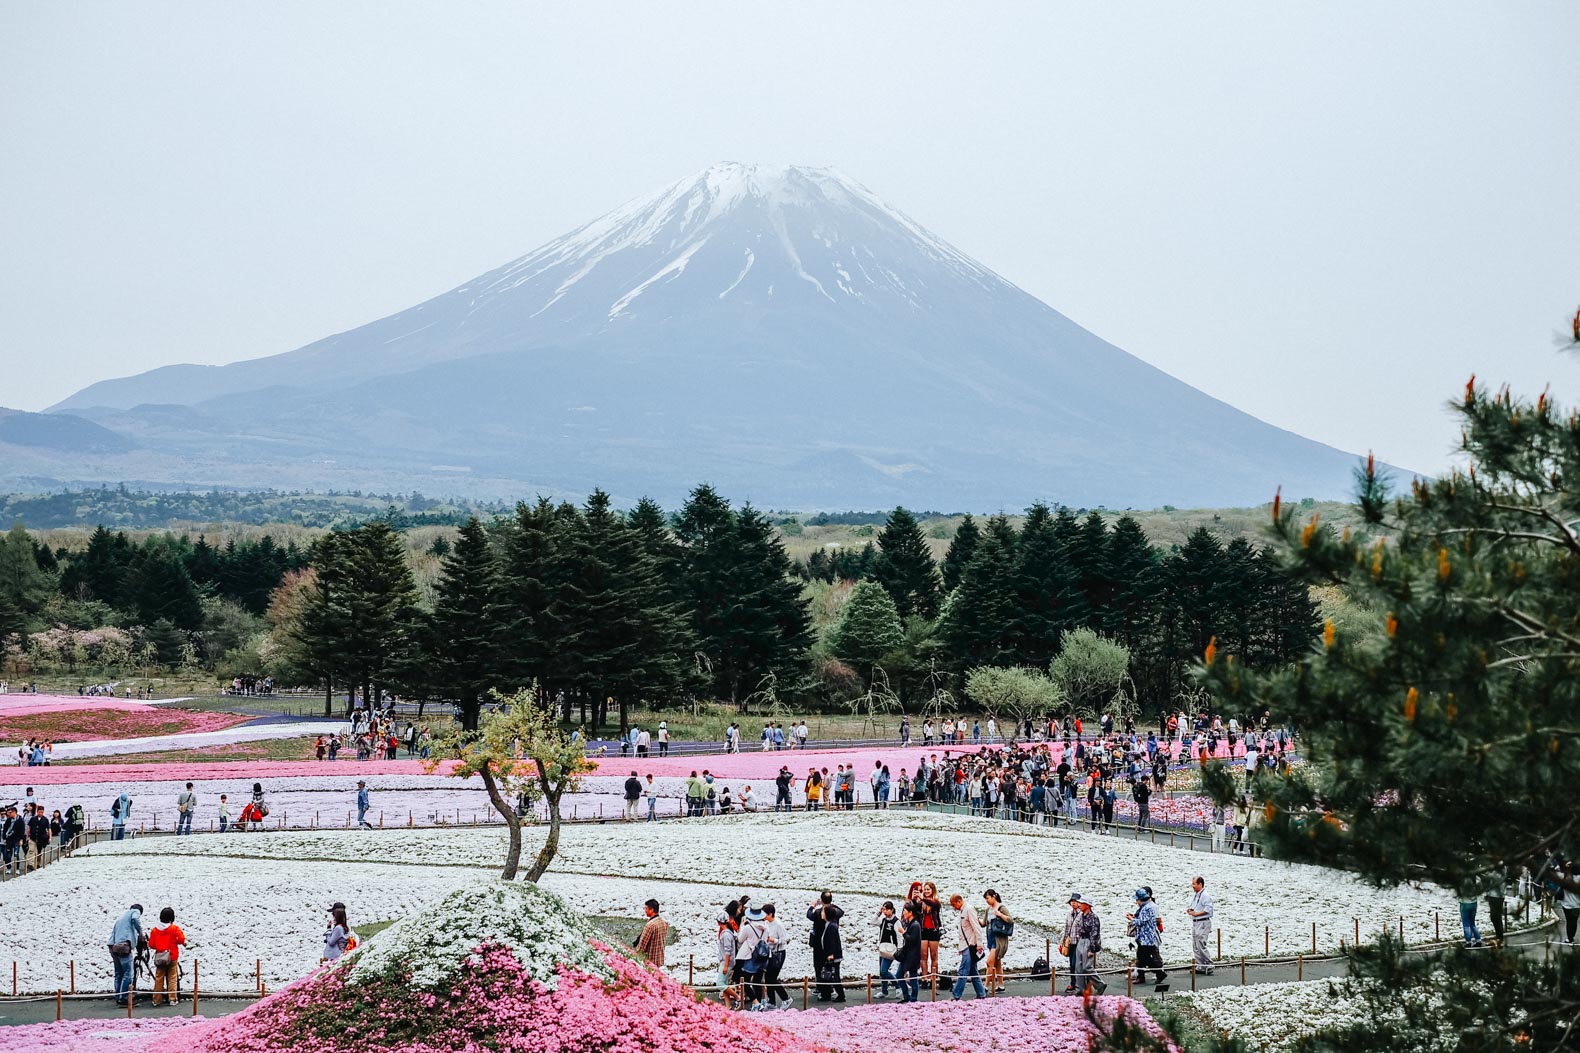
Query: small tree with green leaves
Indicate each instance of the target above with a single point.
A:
(1090, 669)
(521, 754)
(1014, 691)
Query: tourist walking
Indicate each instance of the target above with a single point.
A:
(1467, 919)
(1147, 928)
(778, 939)
(1000, 927)
(126, 937)
(827, 950)
(1089, 941)
(650, 944)
(651, 793)
(363, 801)
(166, 940)
(1201, 914)
(186, 805)
(971, 949)
(1070, 940)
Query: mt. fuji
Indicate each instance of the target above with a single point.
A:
(779, 332)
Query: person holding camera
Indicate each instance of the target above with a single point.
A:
(827, 950)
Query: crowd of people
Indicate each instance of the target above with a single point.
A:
(1075, 781)
(377, 736)
(28, 830)
(249, 685)
(752, 942)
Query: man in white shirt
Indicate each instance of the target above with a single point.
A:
(1201, 912)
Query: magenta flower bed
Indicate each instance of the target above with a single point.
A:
(997, 1025)
(84, 1036)
(20, 704)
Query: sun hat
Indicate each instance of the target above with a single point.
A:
(756, 914)
(1075, 897)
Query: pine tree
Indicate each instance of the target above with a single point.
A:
(869, 628)
(905, 566)
(961, 549)
(361, 619)
(1047, 586)
(158, 588)
(1133, 573)
(24, 586)
(1089, 556)
(1441, 745)
(978, 626)
(99, 570)
(528, 627)
(461, 652)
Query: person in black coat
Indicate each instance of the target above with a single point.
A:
(909, 956)
(827, 949)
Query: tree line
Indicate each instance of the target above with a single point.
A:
(171, 587)
(601, 608)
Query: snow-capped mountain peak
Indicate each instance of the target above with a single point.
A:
(755, 231)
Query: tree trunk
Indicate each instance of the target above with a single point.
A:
(540, 865)
(512, 825)
(625, 718)
(329, 698)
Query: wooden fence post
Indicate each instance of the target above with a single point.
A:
(194, 987)
(1267, 941)
(258, 980)
(1193, 976)
(869, 988)
(1313, 937)
(1220, 944)
(57, 1005)
(74, 976)
(806, 991)
(1242, 971)
(1300, 967)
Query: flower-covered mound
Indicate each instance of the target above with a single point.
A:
(534, 980)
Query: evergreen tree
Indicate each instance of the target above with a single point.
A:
(1047, 586)
(869, 628)
(1089, 556)
(961, 549)
(97, 572)
(905, 566)
(1441, 745)
(979, 622)
(529, 589)
(361, 618)
(1132, 565)
(158, 588)
(462, 650)
(24, 586)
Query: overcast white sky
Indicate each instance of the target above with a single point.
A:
(1327, 216)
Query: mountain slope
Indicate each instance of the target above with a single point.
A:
(780, 332)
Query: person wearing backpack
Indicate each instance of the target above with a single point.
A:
(827, 949)
(166, 940)
(75, 821)
(120, 811)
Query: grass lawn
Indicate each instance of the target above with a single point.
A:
(264, 750)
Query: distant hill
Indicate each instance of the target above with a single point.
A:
(65, 433)
(779, 332)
